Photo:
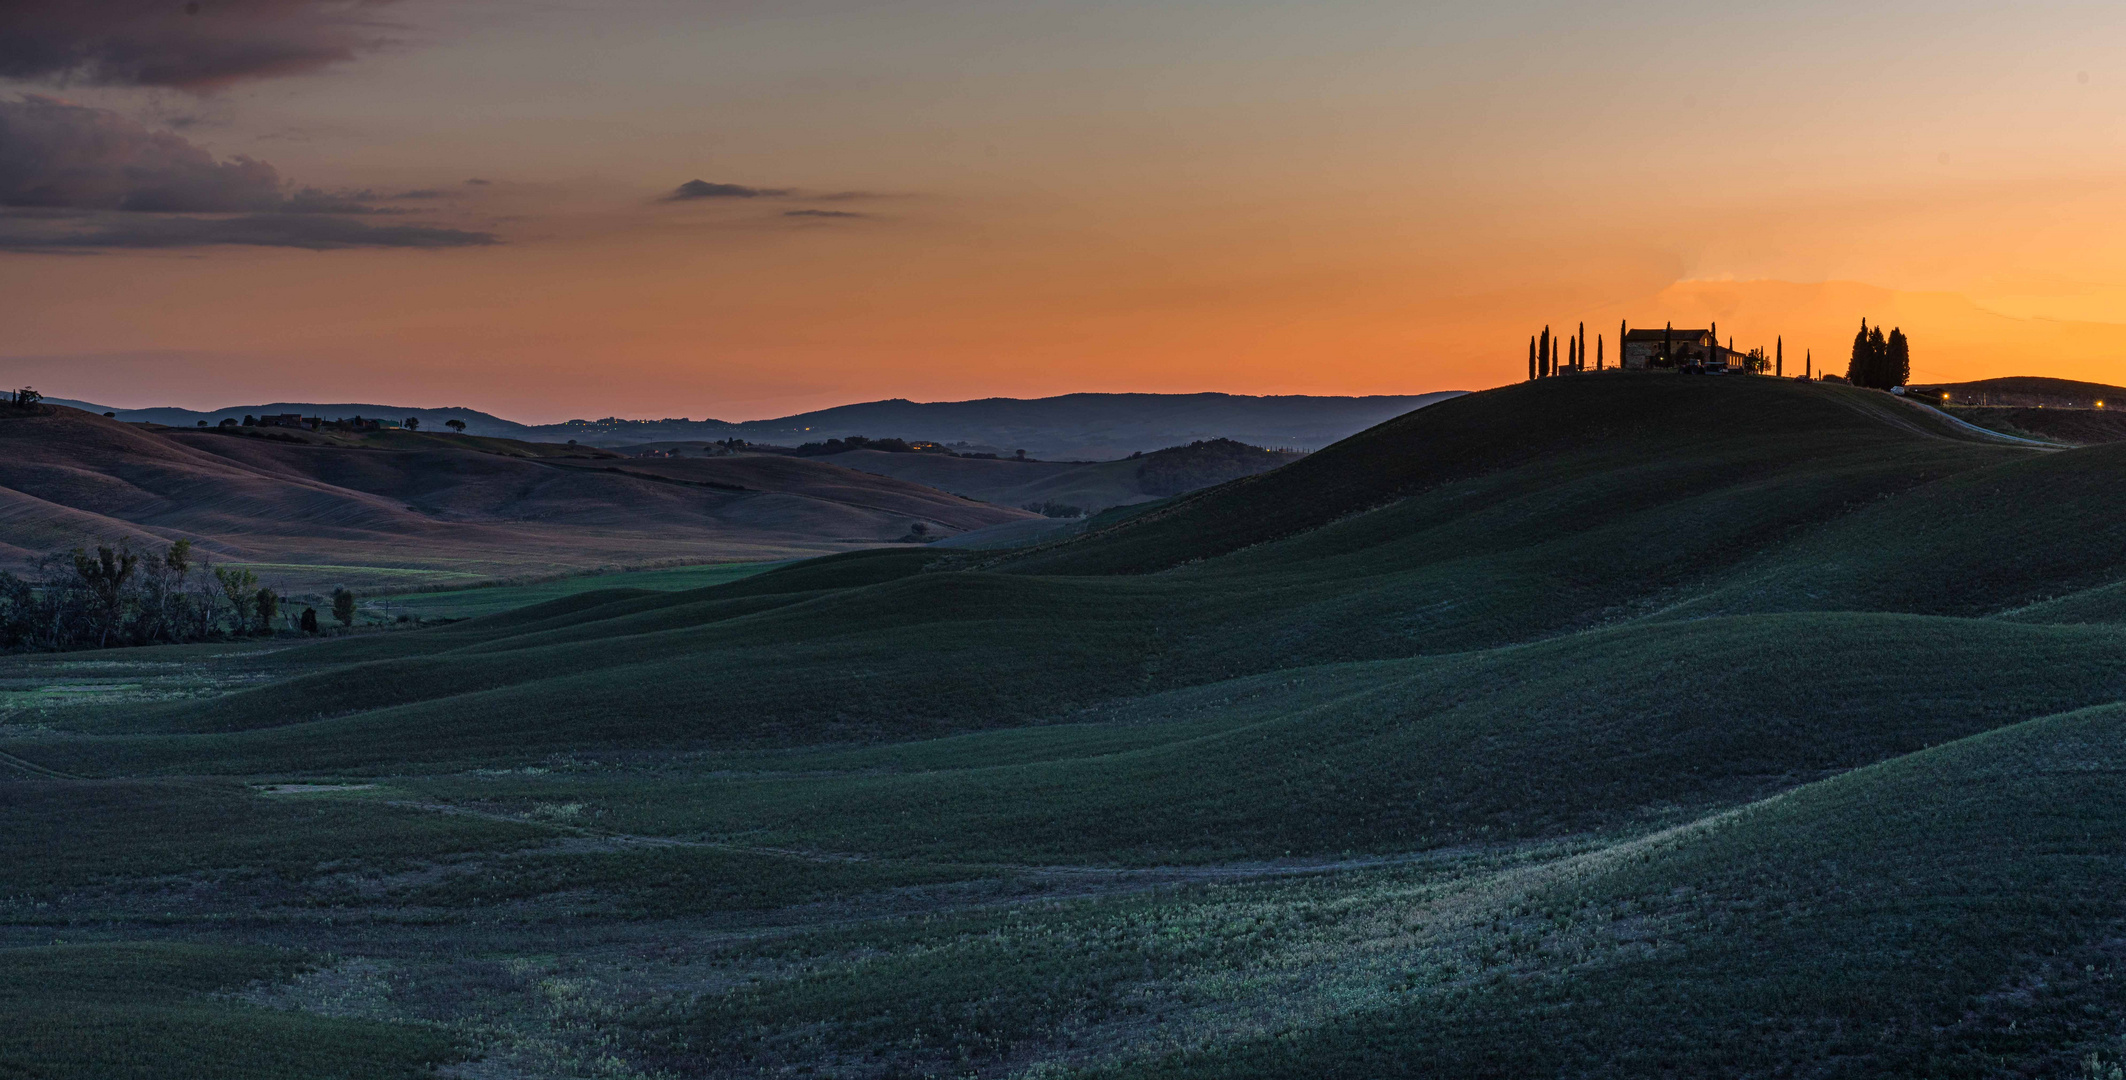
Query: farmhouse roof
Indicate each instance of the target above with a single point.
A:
(1679, 333)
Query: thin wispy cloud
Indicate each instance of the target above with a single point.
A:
(703, 189)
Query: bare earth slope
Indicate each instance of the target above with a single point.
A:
(434, 509)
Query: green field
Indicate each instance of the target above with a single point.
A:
(494, 599)
(1618, 725)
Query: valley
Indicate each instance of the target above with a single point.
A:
(1628, 724)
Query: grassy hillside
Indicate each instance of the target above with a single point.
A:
(1619, 725)
(417, 508)
(2077, 427)
(1088, 486)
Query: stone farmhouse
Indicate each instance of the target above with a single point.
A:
(1642, 349)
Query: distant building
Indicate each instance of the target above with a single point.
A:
(1643, 349)
(294, 420)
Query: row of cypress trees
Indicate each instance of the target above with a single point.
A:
(1879, 362)
(1543, 358)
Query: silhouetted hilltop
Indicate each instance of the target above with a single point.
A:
(2030, 391)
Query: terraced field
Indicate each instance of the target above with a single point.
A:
(1619, 725)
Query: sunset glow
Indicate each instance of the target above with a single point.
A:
(947, 200)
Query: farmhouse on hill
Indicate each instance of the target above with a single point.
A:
(1642, 349)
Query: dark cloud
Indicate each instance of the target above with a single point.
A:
(53, 154)
(191, 46)
(823, 214)
(421, 193)
(46, 233)
(477, 182)
(702, 189)
(80, 178)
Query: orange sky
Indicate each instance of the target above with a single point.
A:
(1052, 197)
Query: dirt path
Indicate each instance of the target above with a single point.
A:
(10, 761)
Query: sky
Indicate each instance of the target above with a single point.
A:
(550, 209)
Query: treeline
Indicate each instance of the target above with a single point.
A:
(116, 595)
(1879, 362)
(858, 442)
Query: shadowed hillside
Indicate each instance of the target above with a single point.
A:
(1090, 487)
(462, 507)
(1619, 725)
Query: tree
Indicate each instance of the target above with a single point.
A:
(1778, 356)
(343, 606)
(103, 577)
(1668, 344)
(21, 614)
(458, 426)
(1598, 352)
(309, 623)
(1862, 362)
(240, 587)
(1875, 368)
(1897, 358)
(268, 607)
(1531, 358)
(413, 423)
(1542, 356)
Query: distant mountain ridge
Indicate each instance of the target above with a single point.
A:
(476, 422)
(1093, 427)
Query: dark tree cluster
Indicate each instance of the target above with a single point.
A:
(117, 595)
(854, 442)
(1054, 509)
(1879, 362)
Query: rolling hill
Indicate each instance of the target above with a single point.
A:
(1628, 724)
(476, 422)
(1080, 427)
(409, 507)
(1088, 486)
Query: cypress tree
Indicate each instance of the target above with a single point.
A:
(1856, 369)
(1543, 356)
(1668, 342)
(1623, 328)
(1531, 358)
(1598, 352)
(1897, 359)
(1779, 357)
(1572, 354)
(1808, 365)
(1580, 360)
(1878, 360)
